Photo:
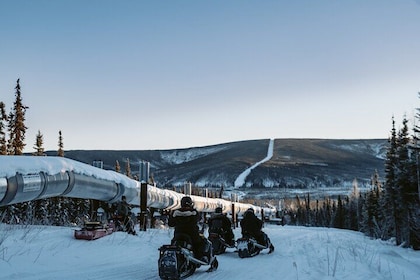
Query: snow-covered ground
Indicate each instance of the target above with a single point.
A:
(302, 253)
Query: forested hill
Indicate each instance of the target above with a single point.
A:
(296, 163)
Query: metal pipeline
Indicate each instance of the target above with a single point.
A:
(26, 178)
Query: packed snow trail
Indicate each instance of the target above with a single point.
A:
(240, 181)
(302, 253)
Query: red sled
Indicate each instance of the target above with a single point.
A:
(93, 230)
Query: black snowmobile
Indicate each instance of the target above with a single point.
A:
(248, 247)
(219, 243)
(177, 261)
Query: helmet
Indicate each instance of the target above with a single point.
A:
(219, 210)
(186, 201)
(249, 212)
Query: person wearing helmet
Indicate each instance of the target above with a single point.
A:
(185, 221)
(219, 223)
(252, 226)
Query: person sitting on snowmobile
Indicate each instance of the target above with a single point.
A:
(185, 220)
(124, 216)
(219, 223)
(251, 226)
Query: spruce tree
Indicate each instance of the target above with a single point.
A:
(117, 166)
(3, 120)
(370, 214)
(414, 191)
(60, 151)
(389, 206)
(403, 185)
(39, 142)
(128, 169)
(339, 217)
(416, 149)
(17, 128)
(40, 206)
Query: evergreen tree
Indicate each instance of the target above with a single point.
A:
(403, 186)
(17, 128)
(370, 214)
(389, 201)
(41, 211)
(339, 217)
(3, 120)
(360, 206)
(39, 142)
(117, 166)
(128, 168)
(416, 149)
(54, 211)
(327, 212)
(414, 191)
(80, 210)
(40, 207)
(60, 151)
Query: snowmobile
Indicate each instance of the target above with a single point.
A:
(219, 243)
(249, 247)
(177, 261)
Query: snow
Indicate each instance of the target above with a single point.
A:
(302, 253)
(378, 150)
(181, 156)
(10, 165)
(240, 180)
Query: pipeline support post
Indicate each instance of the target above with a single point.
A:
(262, 216)
(234, 220)
(143, 206)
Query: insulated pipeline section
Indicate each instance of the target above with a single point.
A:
(88, 187)
(56, 185)
(3, 188)
(21, 188)
(26, 178)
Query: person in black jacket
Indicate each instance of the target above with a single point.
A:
(252, 226)
(185, 221)
(219, 223)
(124, 216)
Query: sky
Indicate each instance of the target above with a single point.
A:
(301, 253)
(139, 75)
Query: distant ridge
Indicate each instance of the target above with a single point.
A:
(295, 163)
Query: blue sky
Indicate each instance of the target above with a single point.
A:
(175, 74)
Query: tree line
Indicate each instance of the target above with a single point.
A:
(390, 210)
(49, 211)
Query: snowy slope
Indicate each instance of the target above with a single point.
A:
(240, 181)
(302, 253)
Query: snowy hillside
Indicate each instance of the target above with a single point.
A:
(293, 163)
(302, 253)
